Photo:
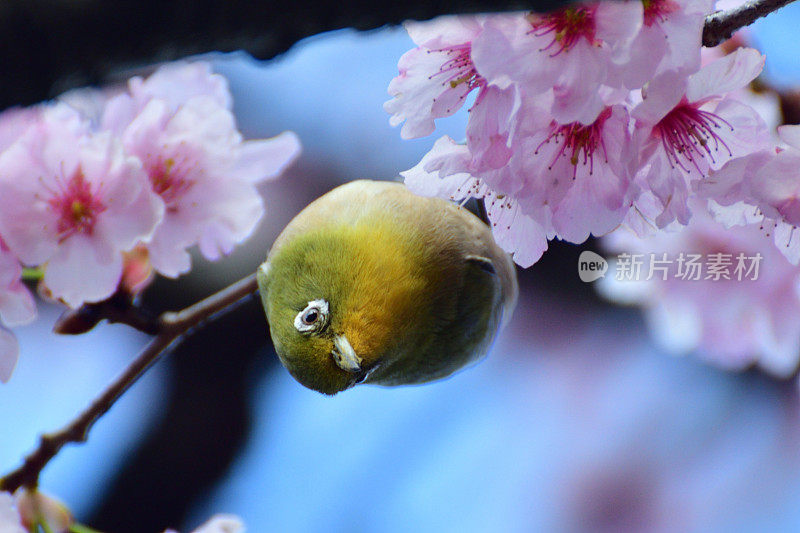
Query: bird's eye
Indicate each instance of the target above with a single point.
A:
(313, 317)
(310, 316)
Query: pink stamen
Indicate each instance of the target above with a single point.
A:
(578, 141)
(459, 69)
(686, 132)
(169, 178)
(76, 205)
(658, 10)
(470, 188)
(568, 26)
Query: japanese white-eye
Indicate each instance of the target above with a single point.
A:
(371, 283)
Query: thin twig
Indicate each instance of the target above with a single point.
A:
(720, 26)
(171, 328)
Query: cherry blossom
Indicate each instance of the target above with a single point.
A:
(442, 173)
(571, 52)
(16, 308)
(173, 83)
(181, 81)
(434, 81)
(687, 126)
(102, 187)
(761, 189)
(14, 122)
(775, 182)
(669, 40)
(550, 127)
(36, 508)
(565, 180)
(436, 76)
(583, 172)
(74, 203)
(746, 313)
(9, 516)
(197, 162)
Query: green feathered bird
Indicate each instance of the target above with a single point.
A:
(373, 284)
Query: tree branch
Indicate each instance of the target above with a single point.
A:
(171, 328)
(720, 26)
(120, 308)
(49, 46)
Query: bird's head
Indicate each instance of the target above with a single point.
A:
(337, 300)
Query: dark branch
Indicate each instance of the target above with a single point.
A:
(118, 309)
(720, 26)
(171, 327)
(48, 46)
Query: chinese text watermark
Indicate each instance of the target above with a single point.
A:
(682, 266)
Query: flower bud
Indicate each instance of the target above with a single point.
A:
(37, 508)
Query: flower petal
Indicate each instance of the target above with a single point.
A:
(9, 353)
(266, 158)
(726, 74)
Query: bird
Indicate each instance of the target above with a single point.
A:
(371, 283)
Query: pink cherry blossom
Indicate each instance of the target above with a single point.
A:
(9, 354)
(436, 76)
(205, 174)
(178, 122)
(565, 180)
(17, 308)
(554, 130)
(572, 52)
(762, 188)
(36, 508)
(73, 202)
(179, 82)
(739, 318)
(9, 516)
(174, 83)
(442, 173)
(669, 40)
(775, 183)
(687, 126)
(685, 119)
(583, 172)
(14, 122)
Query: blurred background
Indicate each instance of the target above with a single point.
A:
(576, 421)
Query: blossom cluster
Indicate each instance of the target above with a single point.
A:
(609, 118)
(101, 188)
(583, 118)
(729, 321)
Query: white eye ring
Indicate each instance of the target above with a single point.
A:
(313, 317)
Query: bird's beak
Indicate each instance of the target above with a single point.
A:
(344, 355)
